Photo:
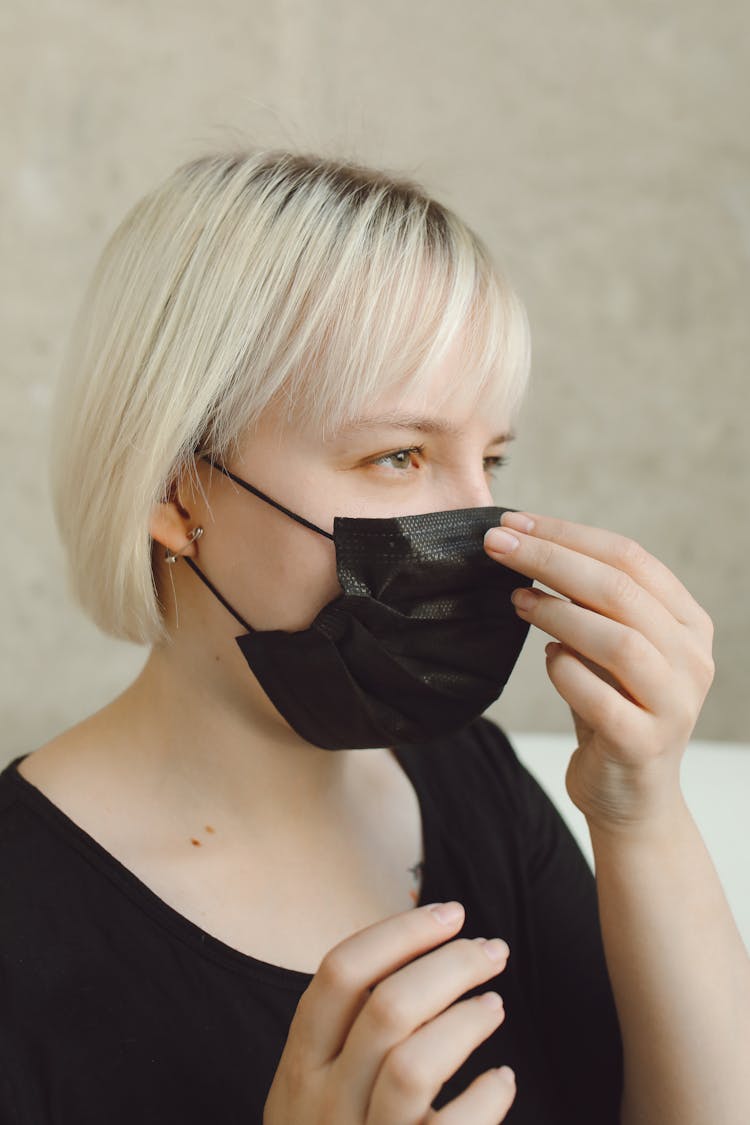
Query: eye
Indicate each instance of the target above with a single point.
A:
(400, 459)
(492, 464)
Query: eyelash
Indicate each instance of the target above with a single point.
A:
(496, 462)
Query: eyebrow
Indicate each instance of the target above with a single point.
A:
(417, 422)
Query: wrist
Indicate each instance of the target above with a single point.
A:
(620, 800)
(658, 824)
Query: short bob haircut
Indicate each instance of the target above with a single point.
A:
(247, 279)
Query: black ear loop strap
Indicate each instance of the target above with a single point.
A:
(216, 593)
(268, 500)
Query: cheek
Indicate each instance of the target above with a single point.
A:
(287, 575)
(305, 581)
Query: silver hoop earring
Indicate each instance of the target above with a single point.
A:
(172, 556)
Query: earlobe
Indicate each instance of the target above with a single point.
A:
(171, 556)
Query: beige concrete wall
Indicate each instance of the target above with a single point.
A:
(600, 148)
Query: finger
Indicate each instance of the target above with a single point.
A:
(413, 1072)
(632, 660)
(600, 705)
(402, 1003)
(607, 710)
(617, 551)
(485, 1101)
(594, 584)
(337, 992)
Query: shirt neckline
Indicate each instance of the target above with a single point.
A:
(190, 933)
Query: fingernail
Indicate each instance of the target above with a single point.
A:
(447, 912)
(500, 541)
(517, 520)
(523, 598)
(497, 949)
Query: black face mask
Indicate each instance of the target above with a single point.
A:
(422, 640)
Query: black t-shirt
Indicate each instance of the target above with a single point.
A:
(115, 1009)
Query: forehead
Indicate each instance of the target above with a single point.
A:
(428, 424)
(448, 395)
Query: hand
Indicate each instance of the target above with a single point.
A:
(634, 663)
(373, 1038)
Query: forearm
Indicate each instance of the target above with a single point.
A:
(680, 975)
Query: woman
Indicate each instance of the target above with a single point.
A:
(287, 389)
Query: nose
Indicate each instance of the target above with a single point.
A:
(473, 492)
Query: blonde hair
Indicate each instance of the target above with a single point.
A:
(248, 279)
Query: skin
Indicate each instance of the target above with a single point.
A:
(633, 660)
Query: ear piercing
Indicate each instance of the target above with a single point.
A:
(172, 556)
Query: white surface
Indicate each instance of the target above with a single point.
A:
(716, 784)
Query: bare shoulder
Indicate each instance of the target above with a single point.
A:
(78, 773)
(51, 764)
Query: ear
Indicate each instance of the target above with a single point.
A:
(169, 525)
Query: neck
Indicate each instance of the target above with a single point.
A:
(198, 746)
